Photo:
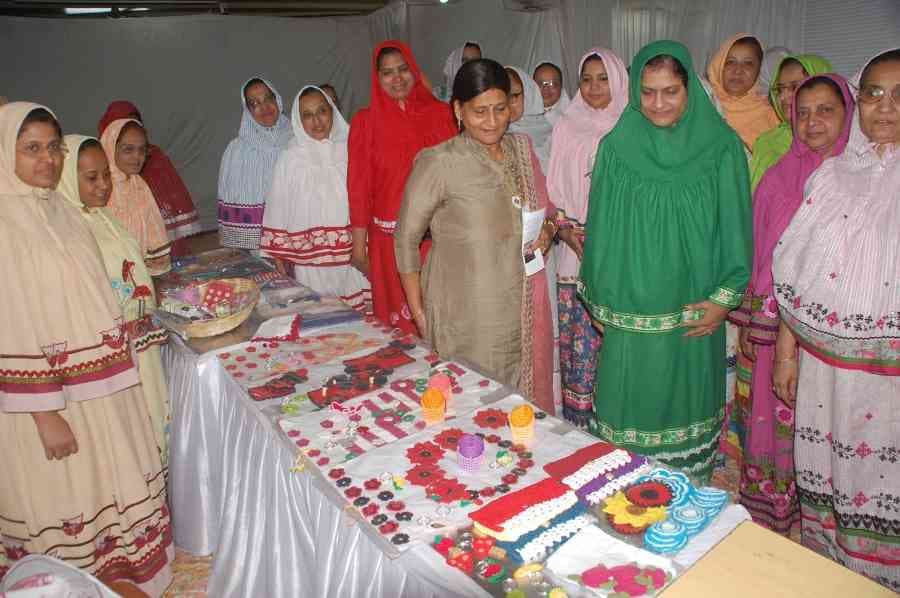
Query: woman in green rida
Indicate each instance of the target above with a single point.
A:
(667, 255)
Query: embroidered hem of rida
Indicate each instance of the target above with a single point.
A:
(658, 438)
(644, 323)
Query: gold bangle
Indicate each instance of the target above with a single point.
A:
(785, 360)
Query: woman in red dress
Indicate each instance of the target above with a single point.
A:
(402, 118)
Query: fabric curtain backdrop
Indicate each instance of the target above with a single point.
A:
(189, 66)
(182, 73)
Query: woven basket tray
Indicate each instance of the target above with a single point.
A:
(222, 325)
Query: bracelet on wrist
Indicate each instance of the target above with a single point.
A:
(786, 360)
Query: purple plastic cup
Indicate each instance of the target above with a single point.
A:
(470, 452)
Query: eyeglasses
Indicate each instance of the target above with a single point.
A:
(549, 84)
(254, 105)
(872, 94)
(133, 150)
(34, 149)
(791, 87)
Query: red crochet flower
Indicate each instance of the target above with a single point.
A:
(336, 473)
(510, 479)
(490, 418)
(424, 452)
(525, 463)
(370, 509)
(649, 494)
(492, 438)
(389, 527)
(448, 491)
(353, 492)
(626, 529)
(372, 484)
(424, 474)
(449, 438)
(487, 492)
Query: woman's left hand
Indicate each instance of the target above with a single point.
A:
(712, 318)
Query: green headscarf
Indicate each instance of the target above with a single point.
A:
(681, 152)
(773, 144)
(669, 213)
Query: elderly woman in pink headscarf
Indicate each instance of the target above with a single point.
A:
(601, 98)
(822, 113)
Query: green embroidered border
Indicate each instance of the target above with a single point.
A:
(726, 297)
(634, 322)
(653, 439)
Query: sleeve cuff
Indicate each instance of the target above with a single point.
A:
(726, 297)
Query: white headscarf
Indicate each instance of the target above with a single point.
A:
(534, 122)
(554, 112)
(248, 161)
(309, 183)
(453, 63)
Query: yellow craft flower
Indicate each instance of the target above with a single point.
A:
(625, 512)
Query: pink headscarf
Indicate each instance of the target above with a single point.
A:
(576, 137)
(780, 193)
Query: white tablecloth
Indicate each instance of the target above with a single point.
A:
(274, 532)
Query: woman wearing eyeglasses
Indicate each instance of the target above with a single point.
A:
(248, 162)
(131, 202)
(169, 191)
(549, 78)
(821, 115)
(837, 282)
(774, 143)
(81, 474)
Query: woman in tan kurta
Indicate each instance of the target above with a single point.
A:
(81, 477)
(475, 302)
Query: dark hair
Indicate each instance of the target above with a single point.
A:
(792, 61)
(386, 51)
(667, 61)
(751, 41)
(513, 75)
(131, 126)
(89, 144)
(822, 81)
(551, 65)
(889, 56)
(476, 77)
(40, 115)
(311, 90)
(471, 45)
(590, 58)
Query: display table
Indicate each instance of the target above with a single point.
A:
(752, 562)
(276, 529)
(274, 532)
